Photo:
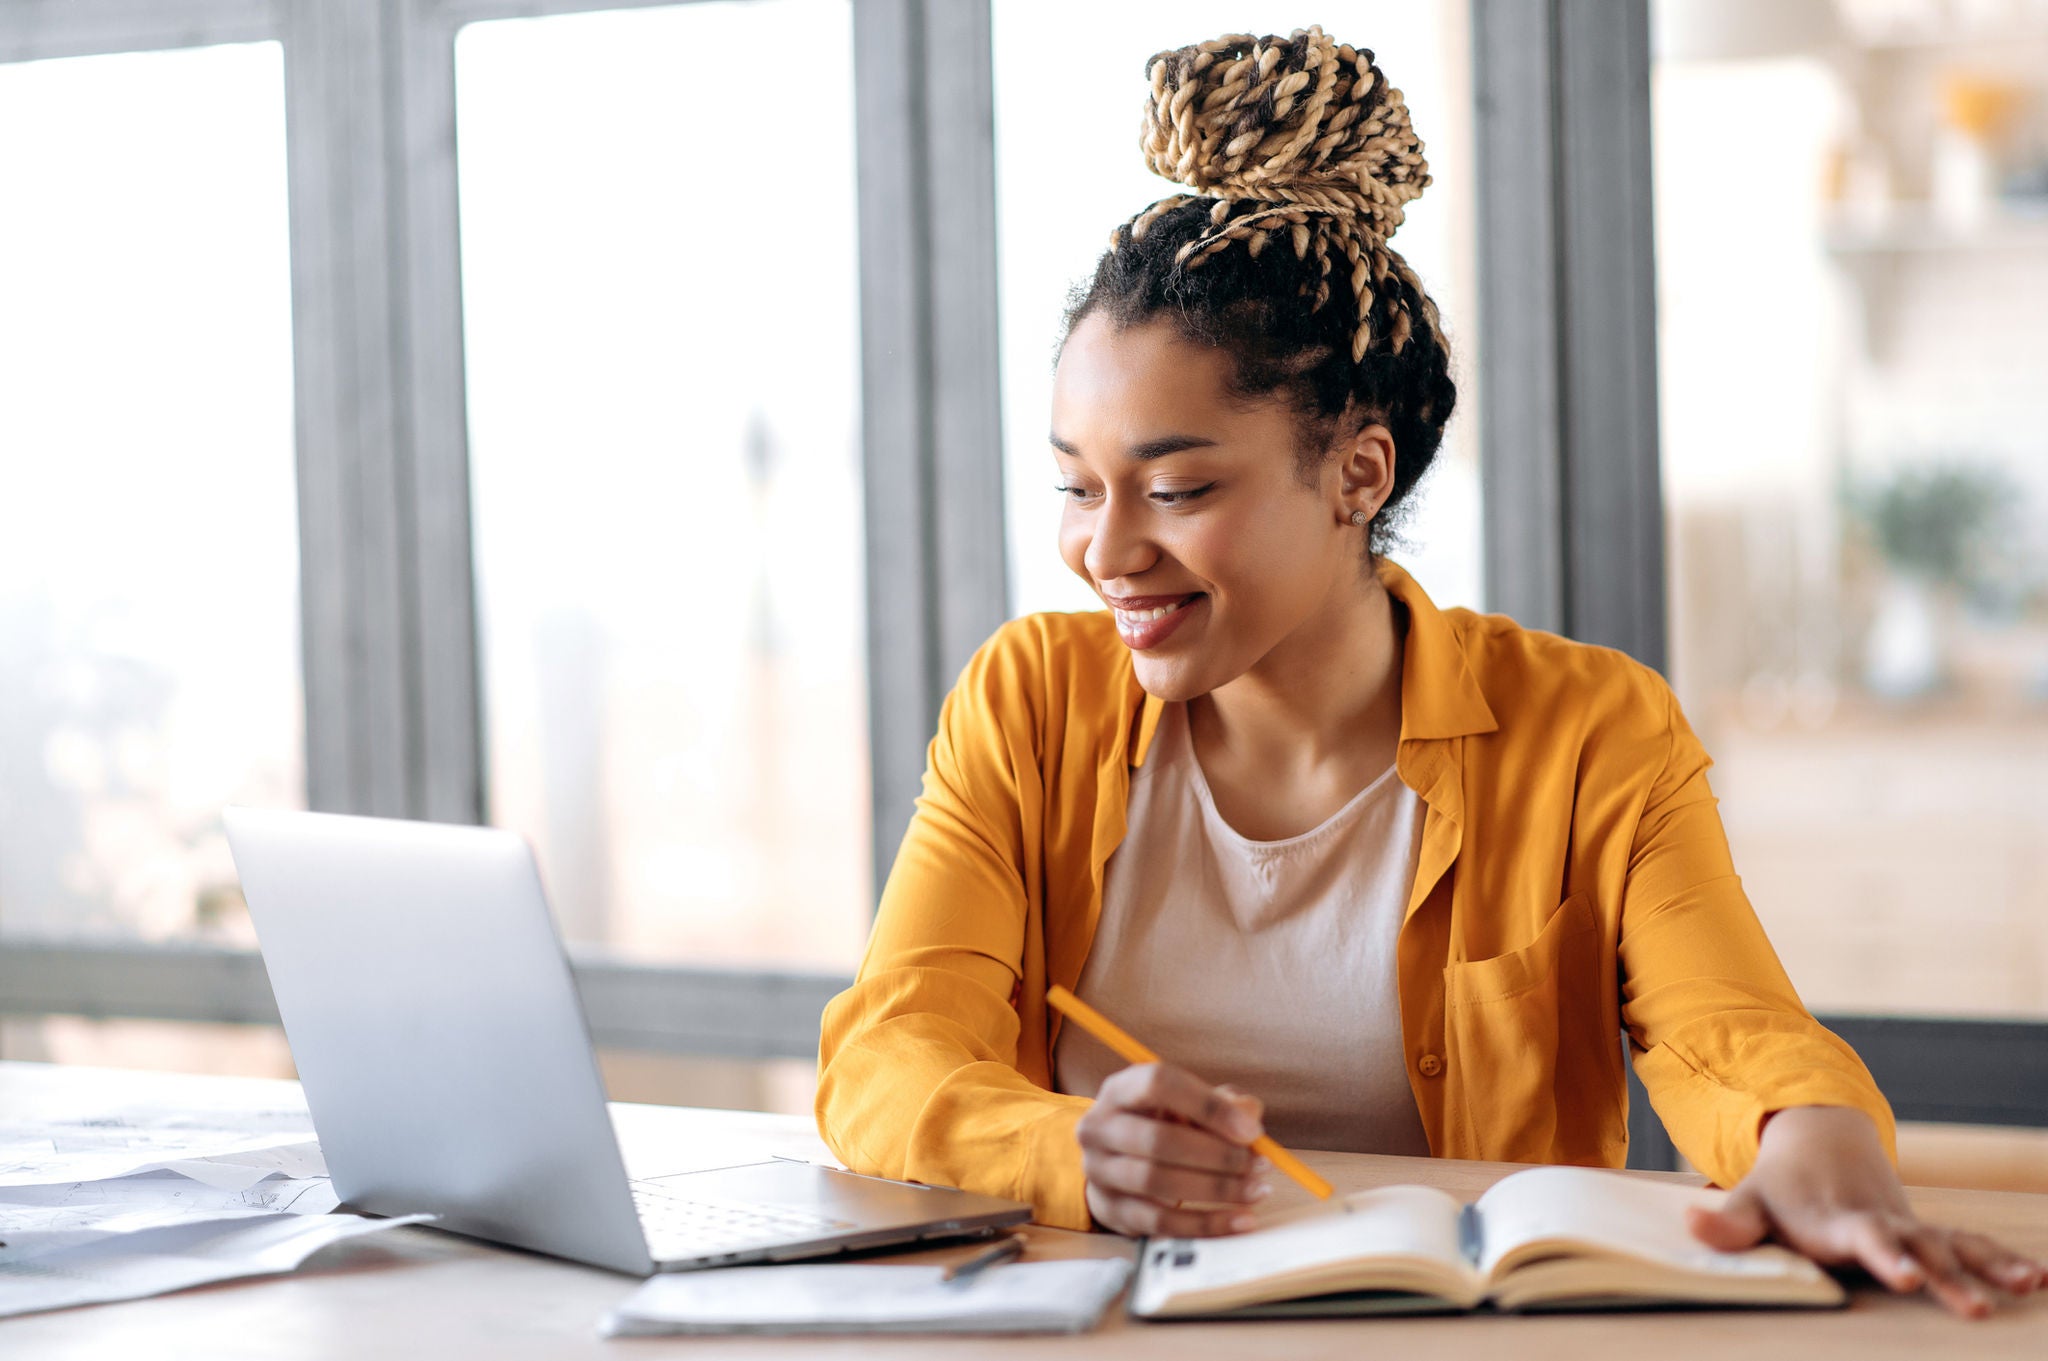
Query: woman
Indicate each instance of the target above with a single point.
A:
(1279, 815)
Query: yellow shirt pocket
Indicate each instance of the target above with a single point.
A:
(1535, 1064)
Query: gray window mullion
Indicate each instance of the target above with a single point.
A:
(971, 561)
(390, 653)
(1521, 430)
(434, 417)
(1575, 527)
(930, 420)
(1568, 446)
(359, 731)
(903, 696)
(1613, 487)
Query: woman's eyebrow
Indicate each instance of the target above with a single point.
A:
(1151, 448)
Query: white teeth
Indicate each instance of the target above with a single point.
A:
(1131, 619)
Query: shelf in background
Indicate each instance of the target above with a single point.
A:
(1916, 227)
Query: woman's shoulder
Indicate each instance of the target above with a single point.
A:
(1532, 677)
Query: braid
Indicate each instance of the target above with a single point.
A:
(1302, 162)
(1300, 137)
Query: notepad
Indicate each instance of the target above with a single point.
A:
(1547, 1238)
(1024, 1297)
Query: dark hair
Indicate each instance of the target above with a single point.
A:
(1309, 157)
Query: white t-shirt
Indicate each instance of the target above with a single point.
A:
(1266, 964)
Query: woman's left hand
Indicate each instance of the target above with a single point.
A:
(1823, 1186)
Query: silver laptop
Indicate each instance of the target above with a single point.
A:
(448, 1068)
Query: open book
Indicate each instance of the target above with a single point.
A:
(1551, 1237)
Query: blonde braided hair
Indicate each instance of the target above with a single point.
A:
(1301, 138)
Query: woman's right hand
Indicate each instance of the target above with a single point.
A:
(1167, 1154)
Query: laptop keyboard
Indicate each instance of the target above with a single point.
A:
(678, 1226)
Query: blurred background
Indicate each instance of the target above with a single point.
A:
(512, 411)
(1852, 267)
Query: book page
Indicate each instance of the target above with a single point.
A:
(1309, 1252)
(1609, 1213)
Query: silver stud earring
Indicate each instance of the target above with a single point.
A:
(1360, 518)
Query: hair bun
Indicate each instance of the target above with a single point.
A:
(1300, 120)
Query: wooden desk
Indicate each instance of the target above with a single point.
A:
(419, 1293)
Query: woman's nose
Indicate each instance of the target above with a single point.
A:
(1119, 545)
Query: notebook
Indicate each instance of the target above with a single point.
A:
(1023, 1297)
(1547, 1238)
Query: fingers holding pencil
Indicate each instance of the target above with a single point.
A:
(1141, 1175)
(1165, 1153)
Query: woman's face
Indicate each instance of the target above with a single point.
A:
(1182, 500)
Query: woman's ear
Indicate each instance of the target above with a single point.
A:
(1365, 471)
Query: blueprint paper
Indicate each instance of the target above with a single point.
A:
(242, 1170)
(36, 1220)
(159, 1190)
(49, 1151)
(149, 1202)
(285, 1160)
(156, 1261)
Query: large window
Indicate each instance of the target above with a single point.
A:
(663, 354)
(1856, 483)
(148, 563)
(580, 539)
(149, 626)
(1070, 84)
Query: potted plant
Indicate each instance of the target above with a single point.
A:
(1932, 526)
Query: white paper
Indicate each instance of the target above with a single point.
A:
(155, 1261)
(147, 1202)
(89, 1145)
(1022, 1297)
(239, 1171)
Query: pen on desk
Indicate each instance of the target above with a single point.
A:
(1009, 1250)
(1128, 1049)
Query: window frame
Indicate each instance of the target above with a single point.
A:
(393, 701)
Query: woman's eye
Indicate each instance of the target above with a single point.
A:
(1164, 498)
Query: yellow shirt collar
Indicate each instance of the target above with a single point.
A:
(1439, 695)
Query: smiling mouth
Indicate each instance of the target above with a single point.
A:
(1147, 628)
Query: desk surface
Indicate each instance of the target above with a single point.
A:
(418, 1292)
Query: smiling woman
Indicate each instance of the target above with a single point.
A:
(1407, 874)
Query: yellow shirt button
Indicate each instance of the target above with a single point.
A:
(1430, 1065)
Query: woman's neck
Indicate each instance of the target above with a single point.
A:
(1328, 695)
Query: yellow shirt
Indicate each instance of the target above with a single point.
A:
(1573, 886)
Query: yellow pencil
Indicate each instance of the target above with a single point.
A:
(1106, 1030)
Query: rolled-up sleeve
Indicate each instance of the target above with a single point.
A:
(918, 1077)
(1721, 1039)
